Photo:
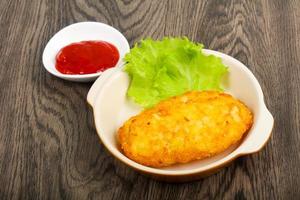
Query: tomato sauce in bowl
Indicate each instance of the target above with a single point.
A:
(86, 57)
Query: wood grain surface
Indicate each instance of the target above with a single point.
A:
(49, 148)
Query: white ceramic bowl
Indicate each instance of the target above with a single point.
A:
(82, 31)
(111, 109)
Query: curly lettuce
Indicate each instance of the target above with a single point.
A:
(170, 67)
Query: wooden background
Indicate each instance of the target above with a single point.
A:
(48, 145)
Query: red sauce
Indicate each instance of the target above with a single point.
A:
(86, 57)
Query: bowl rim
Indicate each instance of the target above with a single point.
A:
(82, 76)
(221, 162)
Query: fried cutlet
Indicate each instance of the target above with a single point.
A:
(192, 126)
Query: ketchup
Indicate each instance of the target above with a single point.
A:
(86, 57)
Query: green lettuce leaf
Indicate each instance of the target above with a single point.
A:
(170, 67)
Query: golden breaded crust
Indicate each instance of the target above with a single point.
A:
(184, 128)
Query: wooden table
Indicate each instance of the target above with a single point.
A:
(49, 148)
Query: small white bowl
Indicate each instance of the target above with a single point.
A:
(82, 31)
(112, 108)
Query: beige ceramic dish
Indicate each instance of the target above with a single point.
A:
(111, 108)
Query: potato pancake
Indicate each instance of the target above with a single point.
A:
(192, 126)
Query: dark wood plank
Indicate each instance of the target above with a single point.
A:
(48, 145)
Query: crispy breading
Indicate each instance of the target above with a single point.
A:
(184, 128)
